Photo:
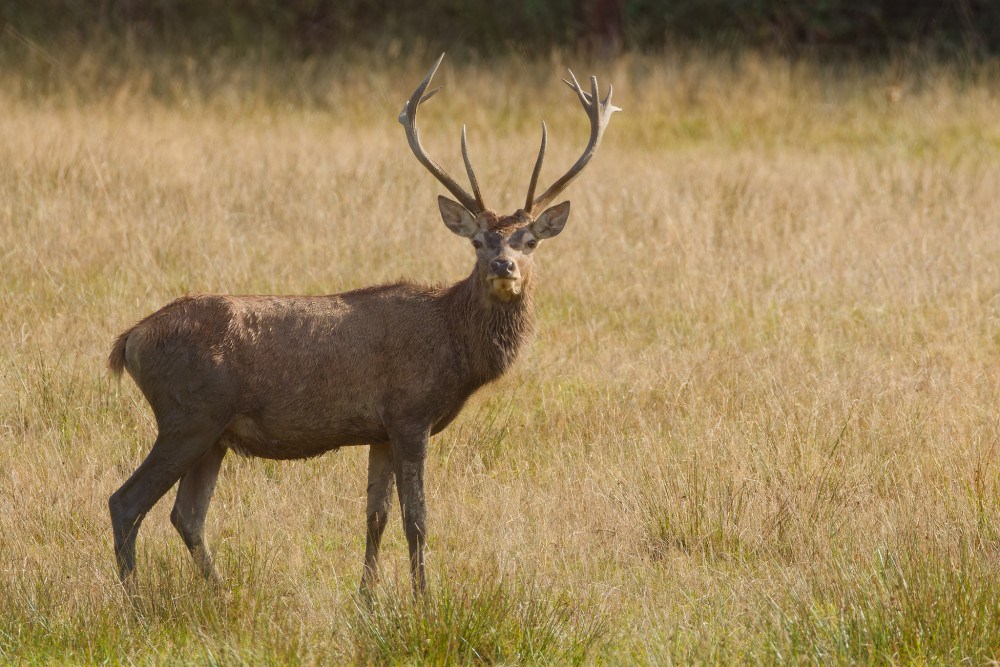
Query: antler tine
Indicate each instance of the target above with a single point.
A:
(584, 97)
(472, 174)
(408, 119)
(599, 111)
(536, 172)
(418, 97)
(425, 97)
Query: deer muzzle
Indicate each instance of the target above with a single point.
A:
(504, 279)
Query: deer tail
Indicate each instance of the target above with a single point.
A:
(116, 360)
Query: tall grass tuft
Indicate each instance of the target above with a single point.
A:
(488, 621)
(914, 607)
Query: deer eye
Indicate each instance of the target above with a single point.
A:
(477, 244)
(531, 243)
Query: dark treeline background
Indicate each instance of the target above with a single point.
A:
(836, 28)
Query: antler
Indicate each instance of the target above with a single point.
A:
(408, 118)
(599, 111)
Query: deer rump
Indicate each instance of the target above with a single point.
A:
(294, 377)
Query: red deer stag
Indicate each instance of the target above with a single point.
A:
(290, 377)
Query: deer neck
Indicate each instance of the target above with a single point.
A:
(492, 332)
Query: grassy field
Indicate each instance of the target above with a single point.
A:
(759, 422)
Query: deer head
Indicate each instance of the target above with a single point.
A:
(504, 244)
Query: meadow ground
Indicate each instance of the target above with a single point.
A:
(759, 421)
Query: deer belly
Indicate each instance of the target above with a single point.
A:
(250, 436)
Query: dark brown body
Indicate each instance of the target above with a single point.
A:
(294, 377)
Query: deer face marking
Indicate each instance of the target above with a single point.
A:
(503, 244)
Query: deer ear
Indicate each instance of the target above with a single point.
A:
(551, 221)
(457, 218)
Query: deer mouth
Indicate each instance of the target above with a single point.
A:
(505, 288)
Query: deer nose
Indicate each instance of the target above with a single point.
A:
(502, 268)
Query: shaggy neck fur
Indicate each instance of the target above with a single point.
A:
(492, 331)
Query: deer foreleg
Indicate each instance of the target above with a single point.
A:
(410, 455)
(381, 476)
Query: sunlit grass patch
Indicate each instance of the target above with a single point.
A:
(489, 620)
(170, 612)
(915, 607)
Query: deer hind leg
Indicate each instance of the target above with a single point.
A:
(381, 476)
(194, 493)
(172, 454)
(410, 454)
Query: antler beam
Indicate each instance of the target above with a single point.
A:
(599, 111)
(408, 118)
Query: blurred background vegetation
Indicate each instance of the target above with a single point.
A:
(833, 29)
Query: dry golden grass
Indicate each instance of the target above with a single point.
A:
(759, 422)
